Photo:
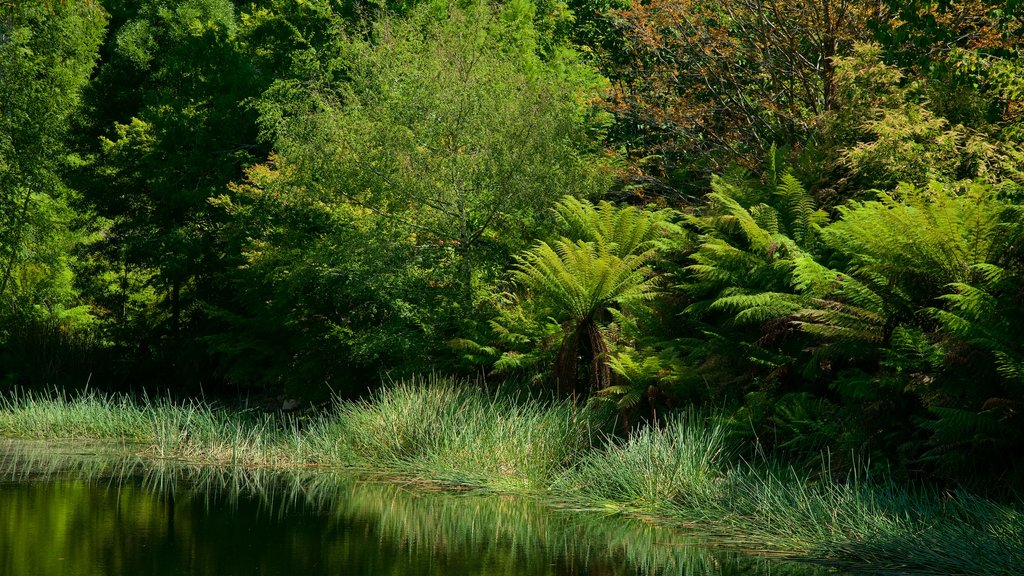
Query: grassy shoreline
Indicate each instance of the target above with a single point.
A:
(448, 434)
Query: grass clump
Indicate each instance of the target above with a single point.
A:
(440, 430)
(684, 474)
(655, 471)
(876, 523)
(88, 416)
(192, 430)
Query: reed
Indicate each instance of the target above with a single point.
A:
(444, 431)
(192, 430)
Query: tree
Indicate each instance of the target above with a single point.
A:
(451, 124)
(709, 84)
(167, 130)
(884, 130)
(409, 166)
(47, 52)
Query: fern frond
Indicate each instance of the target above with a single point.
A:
(800, 208)
(516, 362)
(766, 218)
(621, 231)
(989, 273)
(758, 308)
(467, 345)
(1011, 369)
(970, 300)
(733, 214)
(837, 321)
(812, 278)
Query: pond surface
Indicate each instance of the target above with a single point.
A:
(72, 511)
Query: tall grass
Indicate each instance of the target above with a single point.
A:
(656, 471)
(451, 433)
(684, 474)
(440, 430)
(192, 430)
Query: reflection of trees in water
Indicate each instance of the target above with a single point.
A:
(130, 515)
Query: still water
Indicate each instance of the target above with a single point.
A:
(71, 511)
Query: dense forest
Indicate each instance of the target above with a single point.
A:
(808, 215)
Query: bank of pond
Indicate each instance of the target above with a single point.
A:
(526, 486)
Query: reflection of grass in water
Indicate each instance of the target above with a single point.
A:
(498, 530)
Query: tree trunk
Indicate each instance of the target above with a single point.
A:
(584, 345)
(597, 355)
(565, 368)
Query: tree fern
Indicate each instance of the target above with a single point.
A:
(582, 279)
(905, 310)
(604, 262)
(921, 239)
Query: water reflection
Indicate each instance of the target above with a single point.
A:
(70, 511)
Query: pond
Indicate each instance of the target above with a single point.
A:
(67, 510)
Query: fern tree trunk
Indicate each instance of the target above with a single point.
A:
(596, 353)
(566, 364)
(583, 347)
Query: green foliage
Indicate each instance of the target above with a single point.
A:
(886, 131)
(164, 131)
(638, 375)
(304, 196)
(47, 52)
(411, 164)
(582, 279)
(320, 282)
(576, 282)
(895, 319)
(740, 275)
(448, 124)
(619, 230)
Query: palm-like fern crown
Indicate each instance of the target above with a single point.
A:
(582, 278)
(898, 255)
(620, 231)
(602, 259)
